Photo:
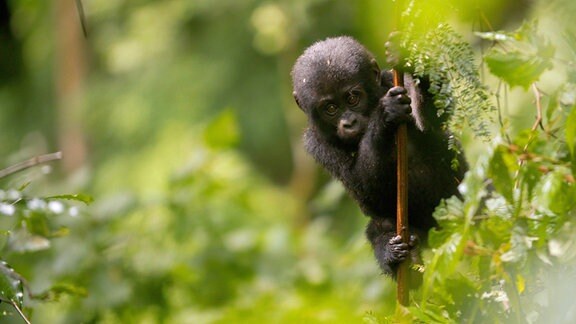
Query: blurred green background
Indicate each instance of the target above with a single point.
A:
(177, 117)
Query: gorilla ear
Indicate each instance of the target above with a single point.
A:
(295, 95)
(376, 71)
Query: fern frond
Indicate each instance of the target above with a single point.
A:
(442, 56)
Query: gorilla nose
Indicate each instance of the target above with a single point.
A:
(348, 123)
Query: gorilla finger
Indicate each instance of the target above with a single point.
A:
(397, 91)
(403, 99)
(407, 109)
(401, 256)
(395, 240)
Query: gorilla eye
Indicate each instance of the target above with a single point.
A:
(353, 99)
(331, 109)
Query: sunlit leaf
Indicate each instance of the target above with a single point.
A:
(449, 215)
(520, 283)
(497, 228)
(523, 58)
(87, 199)
(432, 314)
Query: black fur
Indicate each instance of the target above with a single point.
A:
(353, 113)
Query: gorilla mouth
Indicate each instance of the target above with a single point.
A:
(350, 136)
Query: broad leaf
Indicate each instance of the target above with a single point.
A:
(555, 194)
(522, 57)
(517, 68)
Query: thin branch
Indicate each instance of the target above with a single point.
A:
(486, 21)
(403, 293)
(538, 95)
(82, 16)
(20, 312)
(40, 159)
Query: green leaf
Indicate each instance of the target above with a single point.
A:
(522, 57)
(555, 194)
(87, 199)
(529, 176)
(516, 68)
(431, 314)
(11, 286)
(499, 171)
(37, 224)
(496, 229)
(449, 213)
(520, 243)
(446, 259)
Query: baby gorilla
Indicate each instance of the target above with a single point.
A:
(353, 113)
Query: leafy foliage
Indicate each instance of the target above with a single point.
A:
(213, 248)
(439, 54)
(30, 226)
(502, 249)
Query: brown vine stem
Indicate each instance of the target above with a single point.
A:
(30, 163)
(402, 275)
(402, 207)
